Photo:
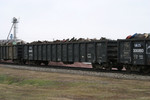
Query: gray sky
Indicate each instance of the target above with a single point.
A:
(59, 19)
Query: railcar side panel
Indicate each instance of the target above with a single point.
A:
(7, 53)
(59, 52)
(125, 52)
(15, 54)
(0, 53)
(101, 51)
(135, 52)
(148, 52)
(138, 52)
(39, 52)
(30, 52)
(54, 51)
(3, 52)
(49, 52)
(91, 52)
(82, 52)
(76, 52)
(64, 53)
(25, 52)
(20, 52)
(44, 52)
(10, 54)
(35, 47)
(70, 52)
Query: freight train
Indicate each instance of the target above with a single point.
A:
(131, 54)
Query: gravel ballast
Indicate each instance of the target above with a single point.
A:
(80, 72)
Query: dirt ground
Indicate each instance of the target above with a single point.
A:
(32, 85)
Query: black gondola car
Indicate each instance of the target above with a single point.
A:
(102, 54)
(134, 54)
(11, 52)
(6, 52)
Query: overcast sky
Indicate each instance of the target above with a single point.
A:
(59, 19)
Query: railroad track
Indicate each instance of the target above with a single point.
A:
(79, 71)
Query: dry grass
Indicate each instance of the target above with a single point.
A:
(31, 85)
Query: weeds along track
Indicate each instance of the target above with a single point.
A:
(80, 71)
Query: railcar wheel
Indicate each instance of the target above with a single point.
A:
(120, 68)
(97, 66)
(108, 68)
(38, 63)
(16, 61)
(24, 62)
(46, 63)
(93, 65)
(146, 70)
(128, 68)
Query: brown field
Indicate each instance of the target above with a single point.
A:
(32, 85)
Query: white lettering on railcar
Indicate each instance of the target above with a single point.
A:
(30, 50)
(137, 45)
(89, 55)
(147, 49)
(138, 50)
